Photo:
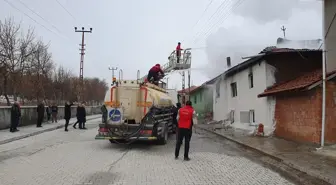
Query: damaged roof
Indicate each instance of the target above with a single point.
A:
(301, 83)
(192, 88)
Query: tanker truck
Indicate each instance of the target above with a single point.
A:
(137, 111)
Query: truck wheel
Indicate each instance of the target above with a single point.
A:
(112, 141)
(164, 137)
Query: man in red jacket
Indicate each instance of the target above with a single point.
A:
(185, 122)
(178, 52)
(154, 73)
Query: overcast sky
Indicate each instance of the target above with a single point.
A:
(133, 34)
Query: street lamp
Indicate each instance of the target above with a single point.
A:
(113, 69)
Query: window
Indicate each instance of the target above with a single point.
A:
(218, 89)
(195, 99)
(231, 115)
(234, 92)
(252, 116)
(201, 96)
(250, 79)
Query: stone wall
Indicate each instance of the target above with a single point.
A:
(29, 114)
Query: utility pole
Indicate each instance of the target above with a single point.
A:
(112, 69)
(82, 53)
(189, 84)
(283, 29)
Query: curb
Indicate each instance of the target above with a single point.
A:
(35, 133)
(289, 164)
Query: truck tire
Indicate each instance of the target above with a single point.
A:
(112, 141)
(164, 137)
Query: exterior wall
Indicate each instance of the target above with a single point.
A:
(29, 114)
(330, 128)
(298, 116)
(220, 106)
(330, 9)
(246, 99)
(202, 101)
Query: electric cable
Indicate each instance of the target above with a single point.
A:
(192, 28)
(220, 21)
(29, 16)
(65, 9)
(59, 35)
(220, 8)
(25, 5)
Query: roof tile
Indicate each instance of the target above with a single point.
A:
(296, 84)
(192, 88)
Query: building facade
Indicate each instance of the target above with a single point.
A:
(236, 91)
(202, 101)
(330, 41)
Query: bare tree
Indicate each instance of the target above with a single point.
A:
(27, 70)
(41, 67)
(8, 47)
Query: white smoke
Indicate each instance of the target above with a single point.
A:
(264, 11)
(260, 28)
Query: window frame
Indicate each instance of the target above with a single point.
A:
(250, 80)
(234, 89)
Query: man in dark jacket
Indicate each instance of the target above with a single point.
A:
(40, 114)
(48, 111)
(54, 112)
(104, 113)
(67, 114)
(83, 116)
(175, 112)
(15, 117)
(78, 112)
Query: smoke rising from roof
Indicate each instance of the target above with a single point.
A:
(263, 11)
(256, 25)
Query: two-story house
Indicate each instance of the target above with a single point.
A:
(236, 90)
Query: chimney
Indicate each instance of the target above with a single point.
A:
(228, 62)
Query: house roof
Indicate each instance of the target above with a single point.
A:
(301, 83)
(192, 88)
(253, 60)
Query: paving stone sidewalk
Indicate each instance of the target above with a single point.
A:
(302, 157)
(31, 130)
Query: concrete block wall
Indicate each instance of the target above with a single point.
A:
(29, 114)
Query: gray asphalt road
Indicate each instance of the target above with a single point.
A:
(60, 158)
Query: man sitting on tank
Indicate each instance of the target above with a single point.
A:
(154, 74)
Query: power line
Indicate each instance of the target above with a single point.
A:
(66, 10)
(29, 16)
(219, 9)
(39, 16)
(59, 35)
(223, 18)
(192, 28)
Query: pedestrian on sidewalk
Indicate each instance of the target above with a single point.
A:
(104, 113)
(83, 118)
(54, 112)
(175, 112)
(15, 117)
(48, 111)
(185, 118)
(67, 114)
(78, 116)
(40, 114)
